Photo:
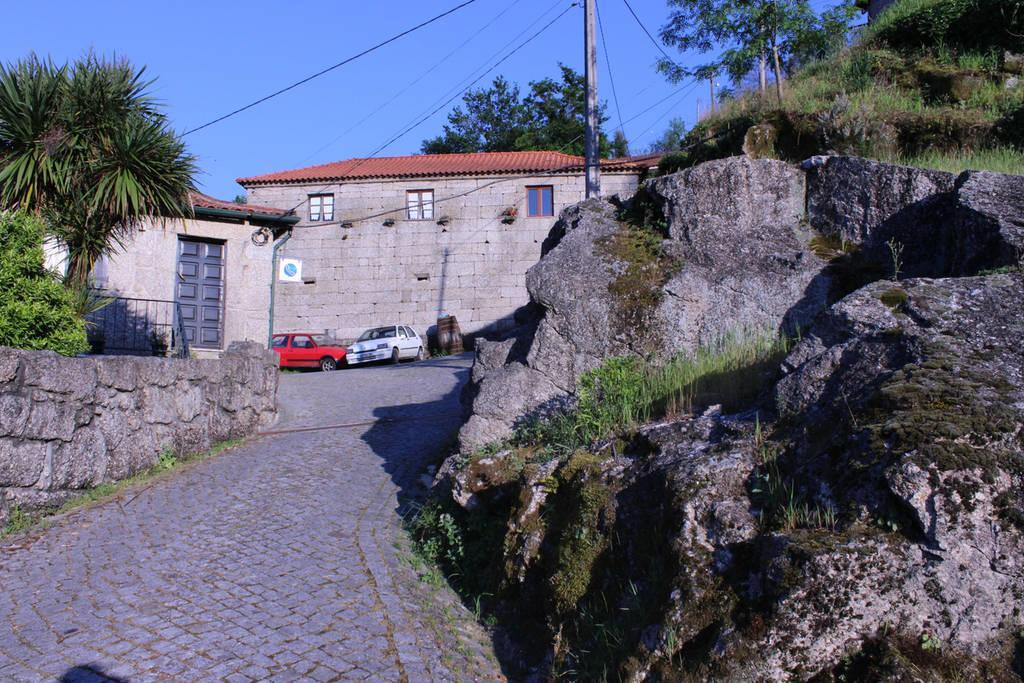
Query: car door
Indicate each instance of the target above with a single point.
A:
(304, 350)
(280, 346)
(403, 342)
(412, 342)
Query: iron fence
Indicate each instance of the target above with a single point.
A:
(137, 327)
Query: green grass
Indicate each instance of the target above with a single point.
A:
(922, 84)
(167, 462)
(1000, 160)
(625, 392)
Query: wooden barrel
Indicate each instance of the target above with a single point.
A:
(449, 336)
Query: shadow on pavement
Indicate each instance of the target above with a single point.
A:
(89, 673)
(410, 436)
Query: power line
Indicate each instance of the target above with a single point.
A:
(418, 122)
(444, 99)
(560, 169)
(415, 81)
(608, 61)
(330, 68)
(649, 35)
(660, 117)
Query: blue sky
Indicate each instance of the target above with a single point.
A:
(212, 57)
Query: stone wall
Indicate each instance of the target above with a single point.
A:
(68, 424)
(370, 274)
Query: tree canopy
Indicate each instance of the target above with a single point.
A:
(672, 139)
(750, 35)
(500, 119)
(85, 147)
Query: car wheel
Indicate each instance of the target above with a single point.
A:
(396, 358)
(420, 355)
(328, 364)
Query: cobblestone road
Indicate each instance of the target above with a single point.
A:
(279, 559)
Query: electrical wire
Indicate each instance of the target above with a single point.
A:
(649, 34)
(474, 81)
(560, 169)
(671, 106)
(473, 36)
(330, 68)
(420, 121)
(611, 76)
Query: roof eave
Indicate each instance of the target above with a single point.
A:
(247, 214)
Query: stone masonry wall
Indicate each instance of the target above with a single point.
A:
(68, 424)
(370, 274)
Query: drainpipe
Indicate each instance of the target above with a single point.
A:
(273, 285)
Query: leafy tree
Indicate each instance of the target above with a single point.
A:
(498, 119)
(619, 146)
(88, 149)
(492, 120)
(752, 34)
(671, 139)
(36, 311)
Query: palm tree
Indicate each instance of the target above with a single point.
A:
(89, 150)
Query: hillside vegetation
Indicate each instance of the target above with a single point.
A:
(932, 83)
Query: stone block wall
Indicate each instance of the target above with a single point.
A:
(68, 424)
(474, 267)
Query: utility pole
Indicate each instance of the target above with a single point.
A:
(712, 82)
(591, 141)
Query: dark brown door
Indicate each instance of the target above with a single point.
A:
(200, 291)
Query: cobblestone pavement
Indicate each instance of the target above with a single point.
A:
(279, 559)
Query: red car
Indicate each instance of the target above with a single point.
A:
(308, 350)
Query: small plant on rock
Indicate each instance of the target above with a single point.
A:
(896, 253)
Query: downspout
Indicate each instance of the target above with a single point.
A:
(273, 285)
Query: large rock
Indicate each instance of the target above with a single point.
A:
(989, 221)
(735, 256)
(941, 224)
(882, 514)
(867, 203)
(738, 231)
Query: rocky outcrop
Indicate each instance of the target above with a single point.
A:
(68, 424)
(723, 247)
(864, 522)
(729, 245)
(879, 520)
(939, 223)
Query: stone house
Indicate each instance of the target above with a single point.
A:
(216, 266)
(407, 239)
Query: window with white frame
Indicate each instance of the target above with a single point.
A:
(321, 207)
(420, 204)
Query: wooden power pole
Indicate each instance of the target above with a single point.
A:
(591, 141)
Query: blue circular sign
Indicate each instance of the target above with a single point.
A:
(290, 270)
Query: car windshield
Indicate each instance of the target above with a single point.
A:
(377, 333)
(280, 342)
(325, 340)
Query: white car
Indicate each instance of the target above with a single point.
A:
(393, 342)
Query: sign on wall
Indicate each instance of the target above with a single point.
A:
(290, 270)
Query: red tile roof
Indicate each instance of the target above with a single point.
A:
(203, 201)
(424, 165)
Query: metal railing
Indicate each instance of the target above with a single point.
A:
(137, 327)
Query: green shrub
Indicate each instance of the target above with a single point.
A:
(36, 311)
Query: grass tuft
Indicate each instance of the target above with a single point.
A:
(625, 392)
